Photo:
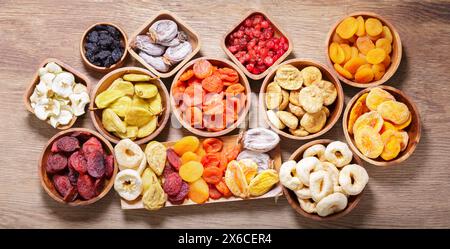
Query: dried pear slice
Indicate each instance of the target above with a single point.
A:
(289, 119)
(156, 153)
(311, 75)
(121, 106)
(148, 128)
(377, 96)
(369, 142)
(111, 122)
(394, 111)
(140, 102)
(137, 77)
(131, 133)
(104, 99)
(137, 116)
(311, 99)
(372, 119)
(329, 91)
(313, 122)
(273, 118)
(124, 86)
(273, 96)
(145, 90)
(289, 77)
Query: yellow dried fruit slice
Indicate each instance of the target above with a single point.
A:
(124, 86)
(111, 122)
(191, 171)
(353, 64)
(284, 101)
(274, 120)
(387, 34)
(105, 98)
(155, 104)
(391, 140)
(373, 26)
(136, 77)
(337, 39)
(342, 71)
(131, 133)
(310, 75)
(336, 53)
(189, 156)
(294, 97)
(249, 168)
(378, 71)
(372, 119)
(274, 96)
(326, 111)
(358, 109)
(347, 51)
(394, 111)
(347, 28)
(361, 26)
(198, 191)
(263, 182)
(329, 92)
(387, 126)
(236, 181)
(137, 116)
(289, 119)
(364, 75)
(369, 142)
(376, 97)
(387, 61)
(288, 77)
(313, 122)
(149, 178)
(364, 44)
(311, 98)
(156, 153)
(148, 128)
(355, 52)
(185, 144)
(404, 125)
(139, 102)
(404, 140)
(376, 56)
(145, 90)
(121, 105)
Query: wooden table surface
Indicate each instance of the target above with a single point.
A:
(413, 194)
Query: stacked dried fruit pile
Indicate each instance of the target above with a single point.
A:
(255, 44)
(79, 166)
(132, 105)
(361, 49)
(209, 98)
(377, 121)
(298, 100)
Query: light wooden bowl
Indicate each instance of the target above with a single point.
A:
(105, 82)
(90, 65)
(396, 54)
(414, 129)
(79, 78)
(353, 200)
(46, 182)
(335, 108)
(277, 31)
(182, 26)
(242, 79)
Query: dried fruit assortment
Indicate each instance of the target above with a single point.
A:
(324, 178)
(297, 100)
(256, 45)
(163, 46)
(377, 122)
(209, 98)
(57, 98)
(131, 106)
(361, 49)
(104, 45)
(79, 166)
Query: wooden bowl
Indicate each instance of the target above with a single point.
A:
(90, 65)
(79, 78)
(46, 182)
(396, 54)
(219, 63)
(414, 129)
(278, 32)
(335, 108)
(353, 200)
(182, 26)
(105, 82)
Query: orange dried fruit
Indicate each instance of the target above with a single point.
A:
(193, 95)
(358, 109)
(367, 65)
(391, 140)
(361, 26)
(365, 75)
(394, 111)
(212, 84)
(364, 44)
(373, 26)
(236, 181)
(384, 44)
(372, 119)
(353, 64)
(369, 142)
(228, 74)
(342, 71)
(212, 145)
(212, 175)
(194, 117)
(191, 171)
(347, 51)
(189, 156)
(337, 39)
(235, 88)
(387, 34)
(188, 143)
(347, 28)
(387, 61)
(199, 191)
(336, 53)
(223, 188)
(202, 69)
(387, 126)
(200, 152)
(187, 75)
(375, 56)
(376, 97)
(404, 125)
(378, 71)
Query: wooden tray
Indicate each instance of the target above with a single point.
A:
(228, 141)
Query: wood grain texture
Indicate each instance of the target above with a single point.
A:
(414, 194)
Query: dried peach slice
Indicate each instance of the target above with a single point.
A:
(387, 126)
(369, 142)
(376, 56)
(391, 140)
(404, 125)
(347, 28)
(372, 119)
(358, 109)
(342, 71)
(376, 97)
(353, 64)
(364, 44)
(365, 75)
(235, 180)
(386, 33)
(373, 26)
(378, 71)
(336, 53)
(361, 26)
(384, 44)
(347, 51)
(394, 111)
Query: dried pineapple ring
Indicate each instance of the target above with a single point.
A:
(377, 96)
(273, 118)
(304, 168)
(338, 154)
(329, 91)
(296, 110)
(307, 205)
(287, 176)
(369, 141)
(311, 98)
(392, 140)
(235, 180)
(317, 150)
(273, 96)
(263, 182)
(353, 179)
(404, 125)
(303, 193)
(294, 97)
(372, 119)
(289, 77)
(394, 111)
(333, 171)
(333, 203)
(287, 118)
(313, 122)
(311, 75)
(321, 185)
(284, 101)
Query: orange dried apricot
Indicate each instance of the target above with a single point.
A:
(365, 75)
(191, 171)
(212, 145)
(229, 75)
(342, 71)
(364, 44)
(212, 175)
(375, 56)
(214, 108)
(361, 27)
(355, 52)
(353, 64)
(373, 26)
(211, 160)
(193, 95)
(358, 109)
(189, 156)
(202, 69)
(187, 75)
(199, 191)
(336, 53)
(185, 144)
(337, 39)
(384, 44)
(387, 61)
(367, 65)
(378, 71)
(387, 34)
(223, 188)
(212, 84)
(347, 28)
(194, 116)
(235, 88)
(347, 51)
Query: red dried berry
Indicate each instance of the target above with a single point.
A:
(172, 184)
(55, 163)
(67, 144)
(86, 187)
(78, 162)
(96, 164)
(181, 196)
(109, 166)
(173, 159)
(92, 145)
(62, 184)
(81, 135)
(99, 185)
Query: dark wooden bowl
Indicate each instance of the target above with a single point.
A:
(414, 129)
(396, 54)
(335, 108)
(46, 182)
(79, 78)
(242, 79)
(86, 62)
(278, 32)
(105, 82)
(353, 200)
(193, 39)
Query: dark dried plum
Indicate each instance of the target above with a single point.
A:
(101, 42)
(92, 145)
(67, 144)
(86, 187)
(96, 165)
(55, 163)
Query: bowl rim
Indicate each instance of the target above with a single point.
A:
(294, 203)
(241, 118)
(338, 108)
(165, 114)
(416, 115)
(240, 65)
(80, 202)
(113, 66)
(393, 67)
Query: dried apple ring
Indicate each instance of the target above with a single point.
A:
(376, 97)
(336, 53)
(365, 75)
(353, 64)
(372, 119)
(320, 185)
(329, 91)
(391, 140)
(369, 141)
(307, 205)
(373, 26)
(353, 179)
(311, 98)
(364, 44)
(361, 26)
(317, 150)
(347, 28)
(376, 56)
(338, 154)
(343, 71)
(287, 176)
(313, 122)
(305, 167)
(394, 111)
(358, 109)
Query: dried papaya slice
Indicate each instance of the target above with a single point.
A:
(364, 75)
(376, 97)
(342, 71)
(373, 26)
(364, 44)
(336, 53)
(358, 109)
(347, 28)
(372, 119)
(369, 142)
(394, 111)
(376, 56)
(361, 26)
(353, 64)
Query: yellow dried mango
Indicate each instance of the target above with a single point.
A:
(342, 71)
(376, 97)
(358, 109)
(188, 143)
(124, 86)
(394, 111)
(121, 106)
(373, 26)
(353, 64)
(148, 128)
(378, 71)
(347, 28)
(369, 142)
(391, 140)
(137, 77)
(364, 75)
(364, 44)
(155, 104)
(387, 34)
(404, 125)
(137, 116)
(263, 182)
(189, 156)
(105, 98)
(372, 119)
(376, 56)
(249, 168)
(111, 122)
(361, 26)
(336, 53)
(145, 90)
(384, 44)
(236, 181)
(347, 51)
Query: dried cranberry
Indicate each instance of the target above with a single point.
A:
(265, 24)
(268, 61)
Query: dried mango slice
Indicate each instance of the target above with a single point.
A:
(145, 90)
(384, 44)
(342, 71)
(191, 171)
(311, 98)
(353, 64)
(249, 168)
(273, 96)
(376, 97)
(391, 140)
(336, 53)
(358, 109)
(364, 75)
(198, 191)
(263, 182)
(372, 119)
(311, 75)
(105, 98)
(124, 86)
(361, 26)
(288, 77)
(387, 34)
(369, 142)
(364, 44)
(111, 122)
(394, 111)
(148, 128)
(404, 125)
(347, 51)
(235, 180)
(347, 28)
(313, 122)
(121, 105)
(137, 116)
(376, 56)
(378, 71)
(289, 119)
(373, 26)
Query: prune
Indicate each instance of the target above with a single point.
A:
(55, 163)
(109, 166)
(67, 144)
(103, 55)
(78, 162)
(62, 184)
(86, 187)
(96, 164)
(73, 176)
(172, 184)
(181, 196)
(92, 145)
(99, 185)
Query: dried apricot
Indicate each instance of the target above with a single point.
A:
(336, 53)
(364, 44)
(347, 28)
(342, 71)
(355, 52)
(212, 84)
(223, 188)
(214, 193)
(372, 119)
(212, 145)
(212, 175)
(337, 39)
(229, 75)
(387, 34)
(384, 44)
(361, 26)
(198, 191)
(193, 95)
(188, 143)
(187, 75)
(378, 71)
(189, 156)
(202, 69)
(347, 51)
(235, 88)
(353, 64)
(358, 109)
(191, 171)
(394, 111)
(375, 56)
(373, 26)
(211, 160)
(233, 153)
(376, 97)
(365, 75)
(369, 142)
(387, 61)
(214, 108)
(194, 117)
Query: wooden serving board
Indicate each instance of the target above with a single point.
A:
(228, 142)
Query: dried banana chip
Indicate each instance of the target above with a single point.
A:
(273, 96)
(311, 75)
(313, 122)
(329, 91)
(311, 99)
(289, 77)
(273, 118)
(289, 119)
